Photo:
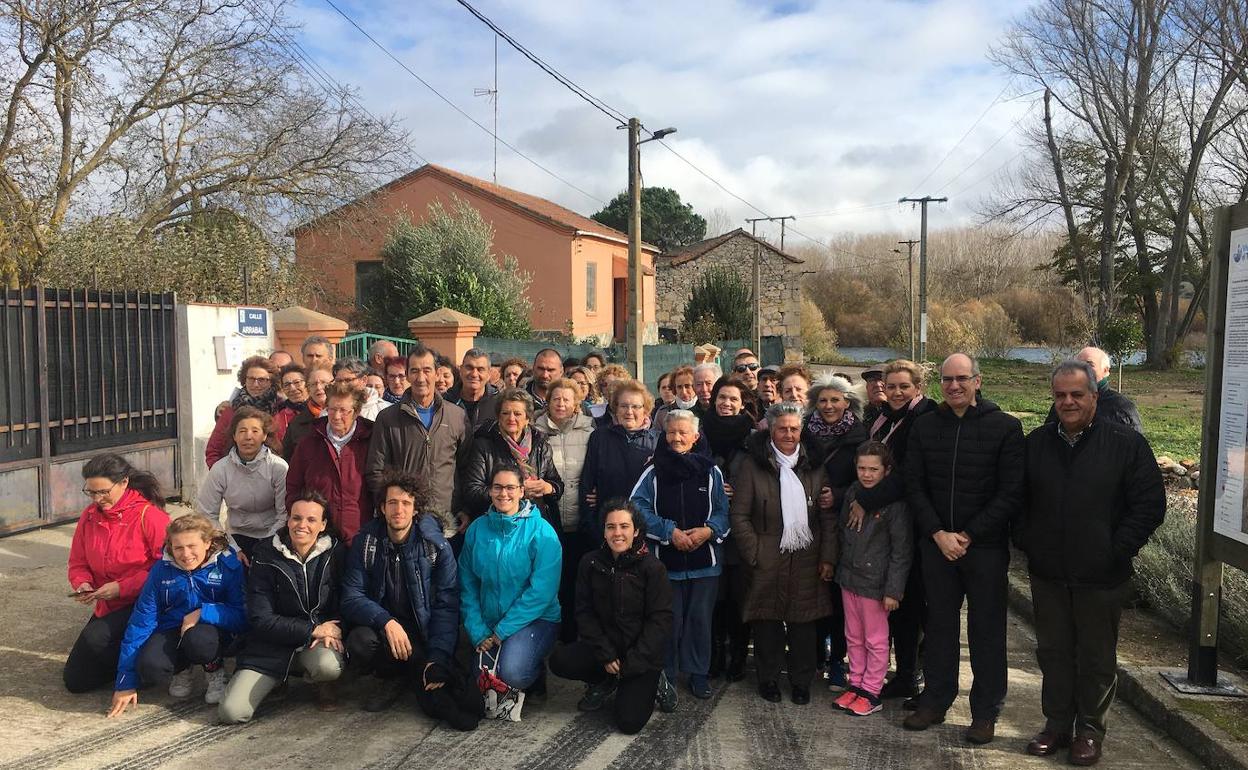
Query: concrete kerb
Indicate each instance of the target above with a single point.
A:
(1145, 691)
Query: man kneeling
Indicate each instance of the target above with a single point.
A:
(400, 594)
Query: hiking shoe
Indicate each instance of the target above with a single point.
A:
(923, 718)
(847, 697)
(216, 685)
(836, 676)
(384, 695)
(596, 694)
(699, 686)
(182, 682)
(666, 695)
(864, 705)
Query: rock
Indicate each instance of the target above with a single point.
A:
(1177, 470)
(1189, 463)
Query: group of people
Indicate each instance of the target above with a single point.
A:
(457, 531)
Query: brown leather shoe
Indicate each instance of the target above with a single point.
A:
(1047, 742)
(327, 696)
(1085, 750)
(980, 732)
(923, 718)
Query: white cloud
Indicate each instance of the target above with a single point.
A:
(796, 106)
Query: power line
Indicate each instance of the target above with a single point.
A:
(606, 109)
(987, 176)
(988, 149)
(455, 106)
(846, 210)
(958, 143)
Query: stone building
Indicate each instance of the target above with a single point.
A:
(781, 310)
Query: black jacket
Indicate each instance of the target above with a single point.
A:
(895, 433)
(489, 450)
(624, 608)
(965, 474)
(286, 599)
(1088, 509)
(614, 461)
(481, 412)
(838, 456)
(1111, 406)
(299, 426)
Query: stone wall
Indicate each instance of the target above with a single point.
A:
(781, 282)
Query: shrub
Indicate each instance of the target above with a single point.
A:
(722, 296)
(818, 341)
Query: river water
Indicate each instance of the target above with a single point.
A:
(1031, 355)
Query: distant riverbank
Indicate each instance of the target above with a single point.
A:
(1032, 355)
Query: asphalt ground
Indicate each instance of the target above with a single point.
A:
(45, 727)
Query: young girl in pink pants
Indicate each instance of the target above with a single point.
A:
(871, 571)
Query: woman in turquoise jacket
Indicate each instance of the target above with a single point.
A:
(509, 582)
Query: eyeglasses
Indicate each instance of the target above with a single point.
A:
(745, 368)
(259, 380)
(294, 383)
(630, 407)
(395, 377)
(513, 488)
(96, 494)
(961, 379)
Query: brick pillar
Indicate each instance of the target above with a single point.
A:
(447, 331)
(292, 325)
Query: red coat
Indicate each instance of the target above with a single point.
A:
(282, 419)
(119, 544)
(339, 477)
(219, 441)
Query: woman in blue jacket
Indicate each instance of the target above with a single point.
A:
(683, 499)
(188, 612)
(509, 581)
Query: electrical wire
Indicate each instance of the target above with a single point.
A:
(958, 143)
(456, 107)
(847, 210)
(988, 149)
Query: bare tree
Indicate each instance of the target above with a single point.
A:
(157, 109)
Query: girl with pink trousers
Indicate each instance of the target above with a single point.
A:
(872, 569)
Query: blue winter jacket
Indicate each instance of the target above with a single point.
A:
(509, 573)
(429, 570)
(685, 503)
(217, 588)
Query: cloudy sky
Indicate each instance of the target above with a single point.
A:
(798, 106)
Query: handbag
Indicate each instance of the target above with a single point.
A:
(502, 701)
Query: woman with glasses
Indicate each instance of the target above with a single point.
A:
(396, 379)
(294, 386)
(374, 387)
(318, 378)
(330, 459)
(119, 537)
(258, 378)
(617, 452)
(509, 582)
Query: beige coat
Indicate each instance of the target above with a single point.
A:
(570, 444)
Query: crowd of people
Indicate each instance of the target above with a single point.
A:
(458, 530)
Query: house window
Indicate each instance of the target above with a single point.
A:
(591, 287)
(367, 274)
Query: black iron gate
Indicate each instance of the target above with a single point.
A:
(81, 371)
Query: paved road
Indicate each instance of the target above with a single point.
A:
(43, 727)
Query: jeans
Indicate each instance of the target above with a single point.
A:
(522, 656)
(866, 637)
(92, 663)
(248, 688)
(693, 603)
(165, 653)
(634, 695)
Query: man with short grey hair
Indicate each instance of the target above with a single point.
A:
(704, 378)
(1093, 495)
(317, 351)
(474, 393)
(378, 352)
(1111, 405)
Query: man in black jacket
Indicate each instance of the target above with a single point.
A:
(474, 393)
(1111, 406)
(964, 478)
(1093, 496)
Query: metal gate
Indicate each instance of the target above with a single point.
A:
(81, 372)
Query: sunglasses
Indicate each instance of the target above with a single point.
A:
(745, 368)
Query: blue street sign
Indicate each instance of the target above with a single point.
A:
(253, 322)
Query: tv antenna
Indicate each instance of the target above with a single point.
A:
(492, 95)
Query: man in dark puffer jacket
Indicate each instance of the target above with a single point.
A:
(964, 478)
(1093, 497)
(1111, 406)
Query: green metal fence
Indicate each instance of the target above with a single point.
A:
(357, 345)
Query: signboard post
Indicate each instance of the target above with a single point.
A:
(1222, 516)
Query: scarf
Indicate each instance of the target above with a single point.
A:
(313, 409)
(678, 404)
(670, 465)
(726, 434)
(792, 503)
(520, 451)
(895, 416)
(823, 430)
(390, 398)
(265, 402)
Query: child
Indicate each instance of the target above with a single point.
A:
(875, 559)
(191, 607)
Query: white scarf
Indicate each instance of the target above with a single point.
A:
(792, 503)
(686, 404)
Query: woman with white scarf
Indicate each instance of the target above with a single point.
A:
(790, 545)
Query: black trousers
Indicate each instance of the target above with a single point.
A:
(979, 579)
(1077, 649)
(575, 545)
(458, 702)
(92, 663)
(634, 695)
(165, 653)
(906, 623)
(830, 631)
(769, 654)
(246, 544)
(728, 629)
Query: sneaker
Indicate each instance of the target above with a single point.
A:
(182, 683)
(596, 694)
(383, 695)
(847, 697)
(864, 705)
(216, 685)
(699, 686)
(836, 676)
(666, 695)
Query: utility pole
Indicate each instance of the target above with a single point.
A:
(926, 199)
(492, 95)
(758, 278)
(636, 328)
(910, 292)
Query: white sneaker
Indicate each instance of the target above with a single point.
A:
(182, 682)
(216, 686)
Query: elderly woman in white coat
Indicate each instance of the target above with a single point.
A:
(567, 428)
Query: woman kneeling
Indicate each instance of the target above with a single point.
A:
(188, 612)
(292, 607)
(624, 618)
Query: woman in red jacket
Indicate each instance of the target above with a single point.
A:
(258, 383)
(330, 459)
(119, 537)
